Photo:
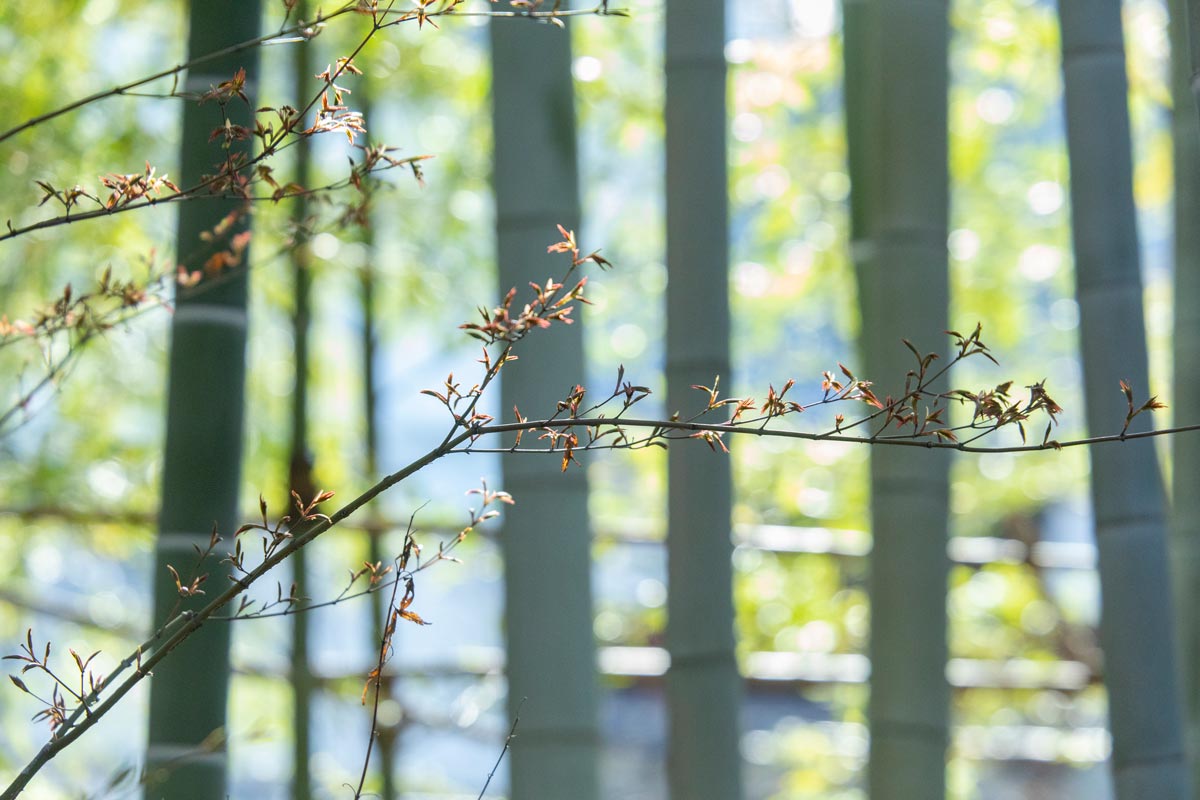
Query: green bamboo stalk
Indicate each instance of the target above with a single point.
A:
(375, 531)
(370, 347)
(546, 539)
(896, 89)
(703, 685)
(300, 465)
(201, 468)
(1185, 450)
(1127, 494)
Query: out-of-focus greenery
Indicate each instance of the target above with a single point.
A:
(94, 446)
(793, 294)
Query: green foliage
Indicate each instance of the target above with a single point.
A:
(96, 446)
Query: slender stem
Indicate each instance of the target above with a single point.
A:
(385, 643)
(716, 427)
(300, 468)
(301, 33)
(375, 532)
(124, 88)
(196, 193)
(57, 369)
(512, 734)
(275, 143)
(181, 627)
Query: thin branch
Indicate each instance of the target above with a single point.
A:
(385, 644)
(312, 525)
(545, 17)
(714, 427)
(271, 145)
(512, 734)
(296, 30)
(300, 32)
(197, 192)
(183, 626)
(103, 321)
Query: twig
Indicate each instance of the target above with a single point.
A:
(124, 88)
(385, 644)
(512, 733)
(926, 443)
(300, 32)
(184, 625)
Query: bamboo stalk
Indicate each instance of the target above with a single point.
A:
(1127, 493)
(546, 540)
(703, 684)
(896, 88)
(300, 463)
(1185, 515)
(202, 460)
(1185, 450)
(376, 525)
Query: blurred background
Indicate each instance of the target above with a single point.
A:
(79, 482)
